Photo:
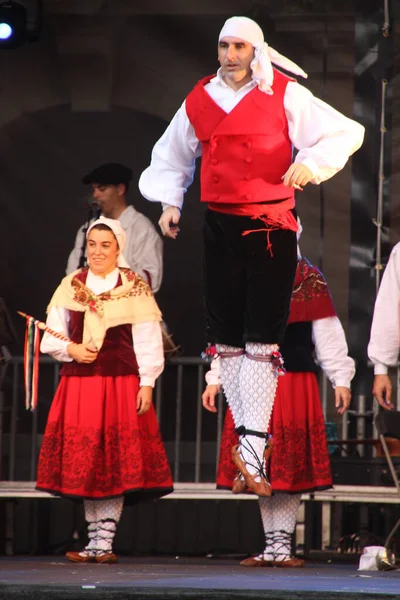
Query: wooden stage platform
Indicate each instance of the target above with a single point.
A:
(173, 578)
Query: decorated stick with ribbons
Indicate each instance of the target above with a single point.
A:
(31, 357)
(31, 354)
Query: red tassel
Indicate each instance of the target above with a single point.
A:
(277, 363)
(26, 365)
(35, 371)
(275, 217)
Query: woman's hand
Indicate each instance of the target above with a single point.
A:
(209, 396)
(144, 399)
(342, 398)
(82, 353)
(382, 391)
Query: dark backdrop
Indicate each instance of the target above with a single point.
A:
(102, 85)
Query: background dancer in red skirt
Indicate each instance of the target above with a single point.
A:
(102, 442)
(244, 122)
(299, 460)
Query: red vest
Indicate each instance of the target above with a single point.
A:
(246, 152)
(116, 356)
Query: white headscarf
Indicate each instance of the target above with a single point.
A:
(248, 30)
(119, 233)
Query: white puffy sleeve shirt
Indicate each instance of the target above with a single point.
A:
(330, 349)
(384, 343)
(147, 337)
(324, 137)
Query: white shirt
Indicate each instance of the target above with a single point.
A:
(143, 249)
(384, 343)
(330, 349)
(324, 137)
(147, 337)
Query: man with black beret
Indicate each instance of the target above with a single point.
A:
(144, 247)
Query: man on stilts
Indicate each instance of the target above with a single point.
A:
(244, 123)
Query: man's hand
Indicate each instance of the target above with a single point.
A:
(382, 391)
(342, 398)
(169, 222)
(82, 353)
(209, 396)
(144, 399)
(297, 176)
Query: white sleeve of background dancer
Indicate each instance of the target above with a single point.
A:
(144, 252)
(213, 376)
(324, 137)
(172, 164)
(149, 350)
(384, 343)
(58, 320)
(75, 255)
(332, 352)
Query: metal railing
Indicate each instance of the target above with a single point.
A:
(191, 435)
(177, 400)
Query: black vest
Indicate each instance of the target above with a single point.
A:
(298, 348)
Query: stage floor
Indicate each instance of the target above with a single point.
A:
(180, 578)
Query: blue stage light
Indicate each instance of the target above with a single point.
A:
(5, 31)
(20, 22)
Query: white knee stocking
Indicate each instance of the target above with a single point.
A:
(103, 517)
(230, 373)
(258, 381)
(278, 514)
(90, 510)
(91, 519)
(267, 517)
(110, 509)
(105, 535)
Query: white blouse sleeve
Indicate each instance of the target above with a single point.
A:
(332, 352)
(149, 350)
(58, 320)
(324, 137)
(172, 164)
(384, 343)
(213, 376)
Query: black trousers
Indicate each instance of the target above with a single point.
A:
(247, 291)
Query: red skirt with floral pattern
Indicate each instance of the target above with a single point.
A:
(96, 446)
(300, 460)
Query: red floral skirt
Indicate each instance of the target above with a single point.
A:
(300, 460)
(96, 446)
